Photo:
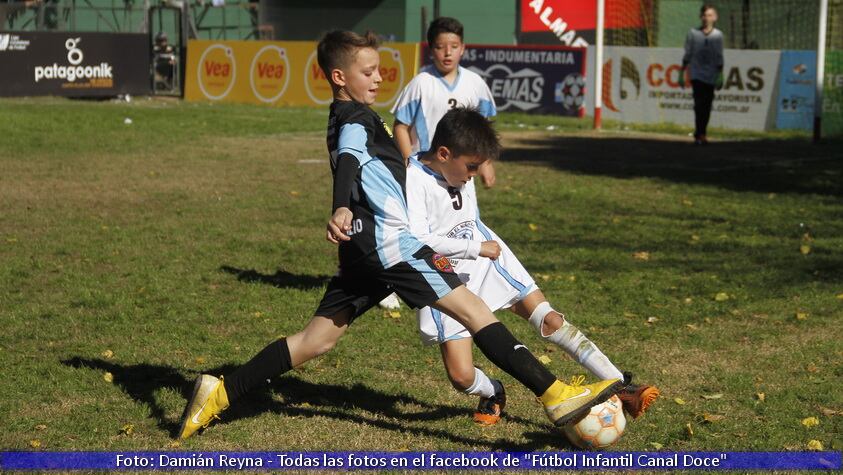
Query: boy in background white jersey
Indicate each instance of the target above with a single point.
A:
(438, 88)
(444, 215)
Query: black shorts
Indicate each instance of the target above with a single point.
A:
(419, 282)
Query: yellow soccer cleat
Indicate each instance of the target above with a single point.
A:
(566, 403)
(208, 400)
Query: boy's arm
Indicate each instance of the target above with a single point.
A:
(402, 138)
(689, 49)
(340, 223)
(419, 219)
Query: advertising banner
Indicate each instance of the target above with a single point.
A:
(642, 85)
(74, 64)
(573, 22)
(797, 76)
(280, 73)
(536, 79)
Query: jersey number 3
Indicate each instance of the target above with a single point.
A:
(456, 197)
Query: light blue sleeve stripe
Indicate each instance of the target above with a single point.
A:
(486, 108)
(352, 139)
(406, 114)
(422, 132)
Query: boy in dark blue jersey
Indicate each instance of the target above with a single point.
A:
(378, 255)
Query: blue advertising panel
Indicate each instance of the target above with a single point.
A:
(534, 79)
(797, 75)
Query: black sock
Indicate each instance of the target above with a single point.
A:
(274, 360)
(502, 349)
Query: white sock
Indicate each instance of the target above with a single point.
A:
(482, 385)
(580, 348)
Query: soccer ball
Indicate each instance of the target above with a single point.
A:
(602, 427)
(571, 91)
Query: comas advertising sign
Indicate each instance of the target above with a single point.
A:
(642, 85)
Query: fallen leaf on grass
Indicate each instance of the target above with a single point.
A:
(572, 278)
(689, 430)
(805, 249)
(687, 202)
(712, 396)
(839, 296)
(107, 354)
(761, 397)
(692, 327)
(40, 427)
(656, 445)
(801, 315)
(706, 417)
(108, 377)
(395, 314)
(35, 443)
(811, 368)
(814, 444)
(294, 193)
(830, 412)
(688, 300)
(127, 429)
(533, 227)
(810, 422)
(721, 297)
(544, 359)
(641, 256)
(174, 444)
(679, 401)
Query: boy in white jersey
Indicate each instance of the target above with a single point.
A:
(444, 215)
(438, 88)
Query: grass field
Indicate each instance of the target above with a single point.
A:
(134, 256)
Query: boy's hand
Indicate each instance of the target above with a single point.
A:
(487, 174)
(490, 249)
(339, 224)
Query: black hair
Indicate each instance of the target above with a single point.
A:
(706, 7)
(441, 25)
(465, 131)
(337, 48)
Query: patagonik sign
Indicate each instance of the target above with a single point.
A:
(74, 64)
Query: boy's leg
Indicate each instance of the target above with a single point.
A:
(344, 299)
(213, 395)
(554, 327)
(465, 377)
(696, 87)
(707, 102)
(563, 403)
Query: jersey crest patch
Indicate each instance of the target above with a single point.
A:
(442, 263)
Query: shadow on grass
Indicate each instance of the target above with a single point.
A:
(281, 278)
(142, 381)
(782, 166)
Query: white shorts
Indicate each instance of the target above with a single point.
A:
(500, 284)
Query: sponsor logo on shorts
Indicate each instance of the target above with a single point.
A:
(442, 263)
